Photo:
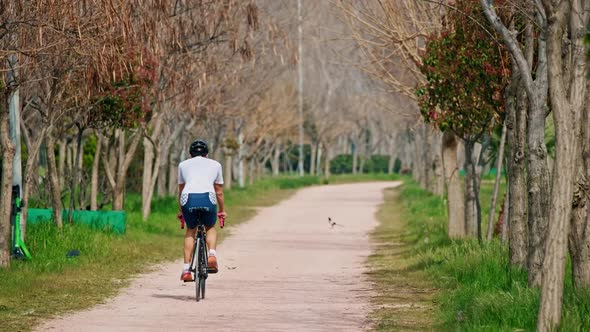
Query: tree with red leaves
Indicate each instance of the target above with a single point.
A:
(466, 72)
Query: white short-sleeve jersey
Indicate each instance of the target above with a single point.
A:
(199, 174)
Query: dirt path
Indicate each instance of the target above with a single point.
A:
(286, 269)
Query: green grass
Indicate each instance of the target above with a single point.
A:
(479, 291)
(403, 295)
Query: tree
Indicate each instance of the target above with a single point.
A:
(391, 35)
(19, 20)
(567, 88)
(536, 93)
(466, 76)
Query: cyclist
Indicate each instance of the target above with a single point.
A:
(200, 184)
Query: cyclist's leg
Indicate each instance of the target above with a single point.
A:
(209, 220)
(189, 240)
(191, 224)
(211, 238)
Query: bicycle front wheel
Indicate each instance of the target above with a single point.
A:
(202, 281)
(202, 268)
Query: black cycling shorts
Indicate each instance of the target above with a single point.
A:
(192, 209)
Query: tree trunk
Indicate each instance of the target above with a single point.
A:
(355, 157)
(517, 185)
(472, 203)
(148, 173)
(119, 197)
(566, 104)
(259, 170)
(276, 159)
(470, 208)
(538, 189)
(251, 169)
(31, 167)
(63, 144)
(418, 160)
(75, 171)
(151, 162)
(241, 164)
(69, 161)
(81, 195)
(174, 159)
(405, 156)
(312, 159)
(327, 162)
(434, 171)
(318, 164)
(362, 164)
(147, 200)
(425, 166)
(8, 151)
(476, 186)
(161, 185)
(166, 155)
(496, 183)
(520, 88)
(438, 179)
(227, 168)
(119, 188)
(53, 180)
(94, 180)
(125, 156)
(455, 195)
(579, 237)
(504, 234)
(391, 163)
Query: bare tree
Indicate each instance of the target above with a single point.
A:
(567, 88)
(392, 35)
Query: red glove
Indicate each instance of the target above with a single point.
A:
(221, 216)
(181, 218)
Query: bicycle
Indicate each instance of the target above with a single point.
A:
(19, 250)
(200, 255)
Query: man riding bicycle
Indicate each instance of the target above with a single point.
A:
(200, 185)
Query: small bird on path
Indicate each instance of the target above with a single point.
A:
(333, 223)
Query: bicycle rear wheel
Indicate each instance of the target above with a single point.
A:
(197, 259)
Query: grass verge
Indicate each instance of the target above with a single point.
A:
(403, 295)
(478, 290)
(52, 284)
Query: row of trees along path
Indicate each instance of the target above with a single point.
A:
(476, 67)
(112, 93)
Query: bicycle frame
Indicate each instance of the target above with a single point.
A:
(200, 235)
(19, 249)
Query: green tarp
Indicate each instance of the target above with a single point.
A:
(103, 220)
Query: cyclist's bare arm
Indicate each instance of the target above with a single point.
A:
(180, 189)
(219, 194)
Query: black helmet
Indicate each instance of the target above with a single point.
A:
(199, 148)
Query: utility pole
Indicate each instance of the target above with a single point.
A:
(300, 89)
(14, 111)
